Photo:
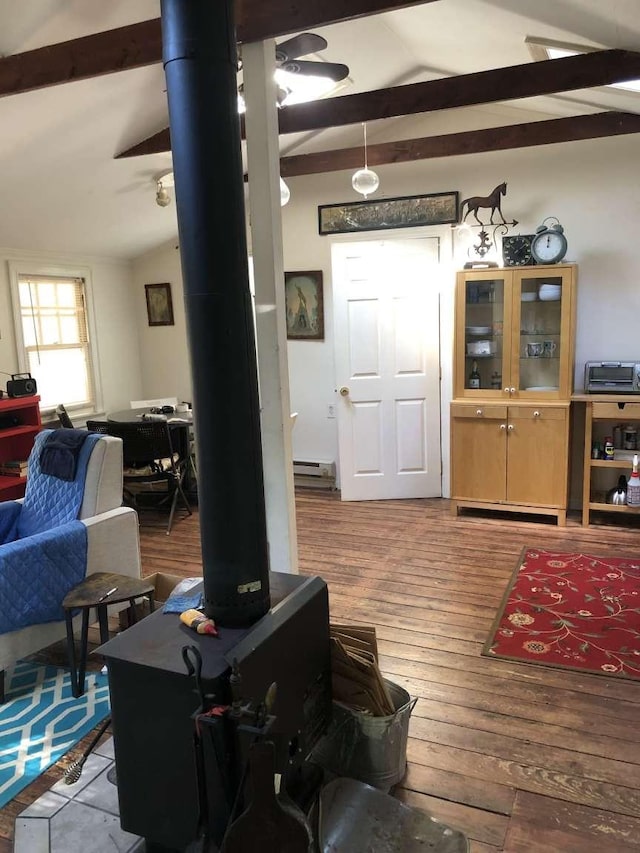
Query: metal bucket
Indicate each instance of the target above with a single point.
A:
(370, 749)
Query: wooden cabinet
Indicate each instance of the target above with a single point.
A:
(517, 326)
(515, 333)
(19, 425)
(603, 414)
(513, 457)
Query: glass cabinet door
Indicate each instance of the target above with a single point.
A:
(541, 332)
(482, 334)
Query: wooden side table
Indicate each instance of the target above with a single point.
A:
(99, 590)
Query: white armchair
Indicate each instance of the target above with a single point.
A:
(112, 542)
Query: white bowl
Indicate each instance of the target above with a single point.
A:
(528, 297)
(550, 297)
(478, 330)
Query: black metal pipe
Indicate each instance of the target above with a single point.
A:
(200, 62)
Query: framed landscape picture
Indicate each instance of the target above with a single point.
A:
(159, 304)
(304, 304)
(376, 215)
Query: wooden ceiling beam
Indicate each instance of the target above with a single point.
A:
(140, 44)
(551, 76)
(526, 135)
(261, 19)
(514, 82)
(121, 49)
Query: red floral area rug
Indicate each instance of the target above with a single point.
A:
(571, 610)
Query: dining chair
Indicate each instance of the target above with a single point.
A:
(63, 417)
(154, 466)
(98, 426)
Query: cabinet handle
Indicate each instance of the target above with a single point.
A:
(510, 427)
(536, 414)
(503, 426)
(506, 390)
(512, 390)
(479, 412)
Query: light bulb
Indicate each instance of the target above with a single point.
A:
(365, 181)
(285, 193)
(162, 196)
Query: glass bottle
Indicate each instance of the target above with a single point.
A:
(474, 376)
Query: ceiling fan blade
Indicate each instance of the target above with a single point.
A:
(300, 45)
(333, 70)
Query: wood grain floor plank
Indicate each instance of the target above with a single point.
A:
(543, 825)
(511, 753)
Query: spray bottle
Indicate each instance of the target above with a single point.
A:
(633, 485)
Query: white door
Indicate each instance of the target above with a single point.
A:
(386, 315)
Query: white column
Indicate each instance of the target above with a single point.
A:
(263, 166)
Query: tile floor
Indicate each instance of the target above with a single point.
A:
(80, 817)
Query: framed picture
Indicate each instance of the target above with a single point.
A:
(304, 303)
(159, 304)
(406, 212)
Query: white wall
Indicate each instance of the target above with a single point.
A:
(591, 186)
(164, 353)
(115, 322)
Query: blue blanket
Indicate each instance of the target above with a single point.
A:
(36, 573)
(43, 554)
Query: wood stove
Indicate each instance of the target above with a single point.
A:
(153, 700)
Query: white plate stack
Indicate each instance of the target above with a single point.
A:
(549, 292)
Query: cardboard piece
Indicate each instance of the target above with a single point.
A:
(164, 584)
(356, 678)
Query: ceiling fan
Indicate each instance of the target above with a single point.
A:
(299, 79)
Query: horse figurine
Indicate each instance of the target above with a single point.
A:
(491, 201)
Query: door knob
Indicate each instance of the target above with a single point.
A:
(344, 391)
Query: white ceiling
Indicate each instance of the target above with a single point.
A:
(62, 190)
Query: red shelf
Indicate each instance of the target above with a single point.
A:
(17, 440)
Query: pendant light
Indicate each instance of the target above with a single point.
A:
(365, 181)
(285, 193)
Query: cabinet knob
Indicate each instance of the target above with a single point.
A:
(479, 412)
(536, 414)
(512, 390)
(503, 426)
(510, 427)
(506, 390)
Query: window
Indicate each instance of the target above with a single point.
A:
(542, 49)
(53, 334)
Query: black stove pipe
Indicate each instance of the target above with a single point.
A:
(200, 62)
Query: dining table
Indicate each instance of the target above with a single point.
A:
(181, 427)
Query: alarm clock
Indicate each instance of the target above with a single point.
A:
(549, 245)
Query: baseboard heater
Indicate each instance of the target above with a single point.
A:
(318, 475)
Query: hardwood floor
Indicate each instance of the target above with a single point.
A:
(524, 759)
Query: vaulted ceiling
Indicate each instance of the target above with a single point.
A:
(84, 114)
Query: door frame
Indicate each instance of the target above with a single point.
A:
(446, 291)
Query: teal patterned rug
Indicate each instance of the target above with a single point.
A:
(40, 721)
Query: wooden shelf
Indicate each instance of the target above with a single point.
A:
(621, 464)
(7, 481)
(623, 508)
(9, 432)
(17, 440)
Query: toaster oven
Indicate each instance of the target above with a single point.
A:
(612, 377)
